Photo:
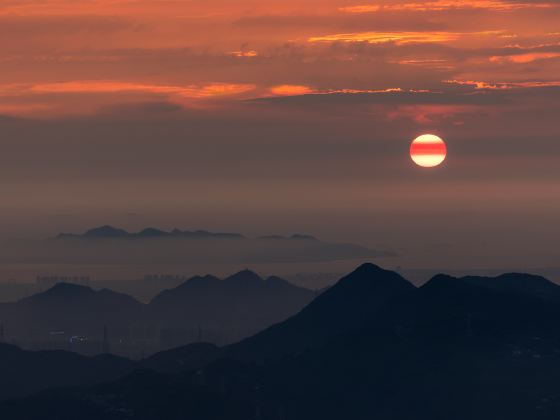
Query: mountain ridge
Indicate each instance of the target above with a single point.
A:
(401, 353)
(111, 232)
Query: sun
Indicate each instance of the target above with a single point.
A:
(428, 150)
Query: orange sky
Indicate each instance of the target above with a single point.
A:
(310, 100)
(175, 50)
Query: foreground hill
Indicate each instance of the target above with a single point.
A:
(348, 305)
(379, 348)
(24, 372)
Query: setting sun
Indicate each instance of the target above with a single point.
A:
(428, 150)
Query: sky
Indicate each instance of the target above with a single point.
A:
(282, 117)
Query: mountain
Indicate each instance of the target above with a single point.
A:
(349, 304)
(183, 358)
(240, 305)
(378, 348)
(75, 309)
(151, 246)
(25, 372)
(519, 283)
(99, 232)
(202, 308)
(110, 232)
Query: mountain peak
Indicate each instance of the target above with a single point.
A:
(348, 305)
(150, 231)
(105, 231)
(60, 288)
(368, 268)
(370, 276)
(244, 277)
(446, 284)
(66, 291)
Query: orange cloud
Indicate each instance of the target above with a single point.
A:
(400, 38)
(524, 58)
(295, 90)
(503, 85)
(107, 86)
(383, 37)
(446, 5)
(241, 54)
(291, 90)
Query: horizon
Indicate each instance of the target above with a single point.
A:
(290, 117)
(392, 165)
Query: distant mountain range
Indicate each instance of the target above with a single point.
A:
(372, 346)
(221, 310)
(151, 246)
(110, 232)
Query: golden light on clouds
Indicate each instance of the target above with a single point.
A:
(249, 54)
(137, 51)
(108, 86)
(291, 90)
(402, 38)
(398, 38)
(446, 5)
(504, 85)
(524, 58)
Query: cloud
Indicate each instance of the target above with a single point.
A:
(440, 5)
(398, 38)
(389, 96)
(524, 58)
(108, 86)
(482, 85)
(66, 98)
(291, 90)
(401, 38)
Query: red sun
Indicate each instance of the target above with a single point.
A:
(428, 151)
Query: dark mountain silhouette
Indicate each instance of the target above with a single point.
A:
(105, 232)
(110, 245)
(25, 372)
(519, 283)
(110, 232)
(242, 304)
(73, 308)
(183, 358)
(380, 348)
(204, 308)
(346, 306)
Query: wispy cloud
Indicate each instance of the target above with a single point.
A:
(447, 5)
(524, 58)
(107, 86)
(399, 38)
(485, 85)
